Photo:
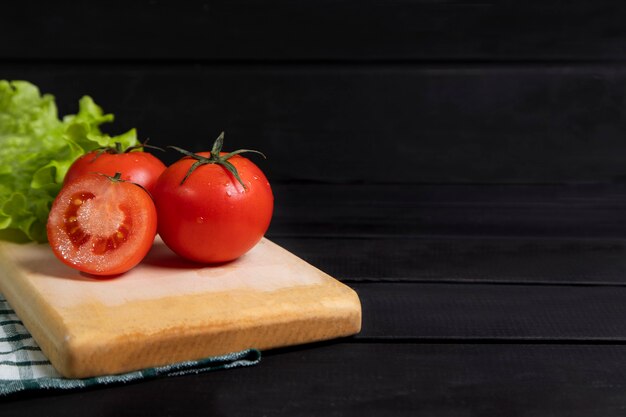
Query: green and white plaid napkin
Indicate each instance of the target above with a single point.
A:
(23, 365)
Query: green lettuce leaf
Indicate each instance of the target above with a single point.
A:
(36, 150)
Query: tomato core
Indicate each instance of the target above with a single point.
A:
(107, 234)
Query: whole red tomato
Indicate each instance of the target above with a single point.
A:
(101, 225)
(213, 206)
(136, 166)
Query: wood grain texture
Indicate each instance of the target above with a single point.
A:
(463, 312)
(416, 210)
(166, 310)
(371, 124)
(285, 30)
(462, 259)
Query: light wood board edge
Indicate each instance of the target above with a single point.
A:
(76, 358)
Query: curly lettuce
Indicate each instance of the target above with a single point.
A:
(36, 150)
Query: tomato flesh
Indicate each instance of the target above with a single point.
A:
(101, 226)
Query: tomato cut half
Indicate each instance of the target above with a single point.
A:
(100, 225)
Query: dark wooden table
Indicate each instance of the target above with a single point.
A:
(499, 300)
(460, 164)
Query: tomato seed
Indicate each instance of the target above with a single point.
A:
(77, 235)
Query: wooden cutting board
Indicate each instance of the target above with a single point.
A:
(167, 310)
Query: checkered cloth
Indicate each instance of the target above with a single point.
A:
(23, 365)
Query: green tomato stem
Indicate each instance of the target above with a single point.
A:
(215, 158)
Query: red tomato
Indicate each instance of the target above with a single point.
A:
(211, 217)
(139, 167)
(100, 225)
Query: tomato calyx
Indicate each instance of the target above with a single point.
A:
(215, 158)
(118, 178)
(115, 178)
(140, 146)
(117, 149)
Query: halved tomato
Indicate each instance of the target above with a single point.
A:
(101, 225)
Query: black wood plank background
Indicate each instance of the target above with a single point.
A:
(460, 164)
(353, 379)
(283, 30)
(370, 123)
